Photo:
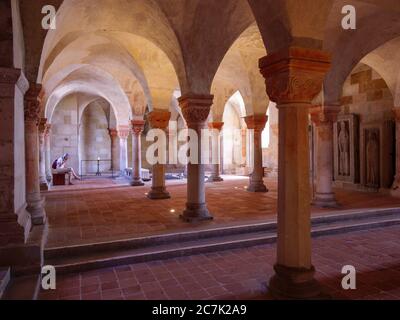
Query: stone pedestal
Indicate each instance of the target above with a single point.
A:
(137, 129)
(216, 128)
(323, 118)
(33, 197)
(123, 133)
(159, 119)
(114, 150)
(294, 77)
(257, 124)
(42, 155)
(195, 110)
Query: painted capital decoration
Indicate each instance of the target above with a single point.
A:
(32, 108)
(138, 127)
(256, 122)
(294, 75)
(123, 132)
(216, 125)
(324, 115)
(159, 119)
(195, 108)
(113, 132)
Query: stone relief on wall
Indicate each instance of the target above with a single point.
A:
(372, 155)
(346, 149)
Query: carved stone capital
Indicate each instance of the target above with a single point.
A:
(324, 115)
(47, 130)
(137, 127)
(396, 113)
(123, 132)
(195, 108)
(216, 125)
(113, 132)
(256, 122)
(294, 75)
(32, 107)
(159, 119)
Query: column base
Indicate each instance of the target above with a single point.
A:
(137, 183)
(158, 194)
(295, 284)
(44, 186)
(325, 200)
(257, 187)
(196, 212)
(37, 211)
(215, 179)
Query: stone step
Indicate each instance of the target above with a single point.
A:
(4, 280)
(171, 245)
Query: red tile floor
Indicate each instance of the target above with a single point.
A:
(101, 209)
(243, 273)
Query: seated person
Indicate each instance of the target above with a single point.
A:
(58, 167)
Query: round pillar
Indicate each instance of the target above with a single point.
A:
(294, 77)
(216, 128)
(137, 129)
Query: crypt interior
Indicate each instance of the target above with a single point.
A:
(307, 122)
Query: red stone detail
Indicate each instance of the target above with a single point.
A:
(123, 132)
(322, 115)
(138, 127)
(32, 106)
(294, 75)
(195, 108)
(216, 125)
(256, 122)
(159, 119)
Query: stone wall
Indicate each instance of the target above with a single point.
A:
(367, 96)
(95, 139)
(64, 131)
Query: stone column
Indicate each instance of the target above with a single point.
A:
(33, 197)
(123, 133)
(216, 149)
(195, 109)
(159, 120)
(114, 149)
(323, 118)
(137, 129)
(42, 155)
(257, 124)
(294, 77)
(47, 148)
(396, 183)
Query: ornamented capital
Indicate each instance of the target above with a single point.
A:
(256, 122)
(138, 127)
(294, 75)
(159, 119)
(113, 132)
(396, 113)
(195, 108)
(47, 130)
(324, 115)
(216, 125)
(32, 105)
(123, 132)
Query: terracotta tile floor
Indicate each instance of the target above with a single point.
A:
(243, 273)
(78, 215)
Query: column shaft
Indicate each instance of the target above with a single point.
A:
(396, 183)
(47, 147)
(294, 77)
(257, 123)
(42, 155)
(137, 129)
(159, 119)
(33, 197)
(123, 133)
(195, 109)
(323, 118)
(216, 128)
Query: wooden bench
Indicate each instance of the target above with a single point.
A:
(58, 179)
